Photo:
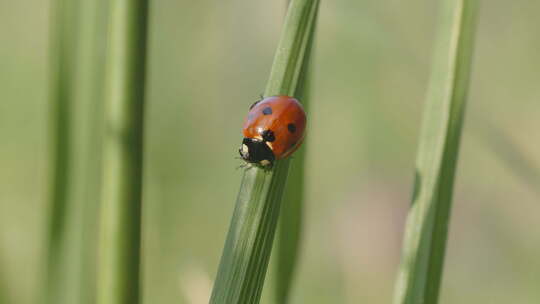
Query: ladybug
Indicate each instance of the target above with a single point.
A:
(274, 129)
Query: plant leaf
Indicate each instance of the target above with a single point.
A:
(244, 262)
(427, 223)
(119, 260)
(62, 72)
(290, 222)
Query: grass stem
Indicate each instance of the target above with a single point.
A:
(244, 262)
(60, 93)
(427, 223)
(118, 276)
(290, 221)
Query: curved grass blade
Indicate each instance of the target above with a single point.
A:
(427, 223)
(244, 262)
(118, 276)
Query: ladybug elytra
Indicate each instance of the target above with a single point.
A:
(274, 129)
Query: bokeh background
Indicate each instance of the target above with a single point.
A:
(208, 61)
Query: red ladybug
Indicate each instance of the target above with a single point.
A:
(273, 130)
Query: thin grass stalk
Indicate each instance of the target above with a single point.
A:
(87, 113)
(427, 223)
(118, 276)
(62, 49)
(244, 262)
(73, 91)
(290, 221)
(76, 282)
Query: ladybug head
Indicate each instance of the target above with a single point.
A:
(257, 152)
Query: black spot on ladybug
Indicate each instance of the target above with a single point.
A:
(291, 127)
(268, 135)
(267, 111)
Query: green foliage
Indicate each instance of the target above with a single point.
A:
(371, 73)
(247, 249)
(60, 90)
(119, 260)
(75, 87)
(290, 221)
(427, 224)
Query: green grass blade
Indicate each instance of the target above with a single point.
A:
(86, 177)
(290, 225)
(426, 229)
(290, 221)
(292, 48)
(61, 87)
(244, 262)
(75, 93)
(118, 277)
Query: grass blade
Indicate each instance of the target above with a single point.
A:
(75, 94)
(426, 228)
(290, 221)
(244, 262)
(61, 87)
(86, 177)
(290, 224)
(118, 277)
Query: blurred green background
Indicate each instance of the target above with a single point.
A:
(209, 60)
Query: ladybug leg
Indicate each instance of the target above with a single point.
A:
(246, 166)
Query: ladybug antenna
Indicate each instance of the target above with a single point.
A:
(256, 102)
(261, 96)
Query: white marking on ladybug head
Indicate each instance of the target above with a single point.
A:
(245, 149)
(270, 145)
